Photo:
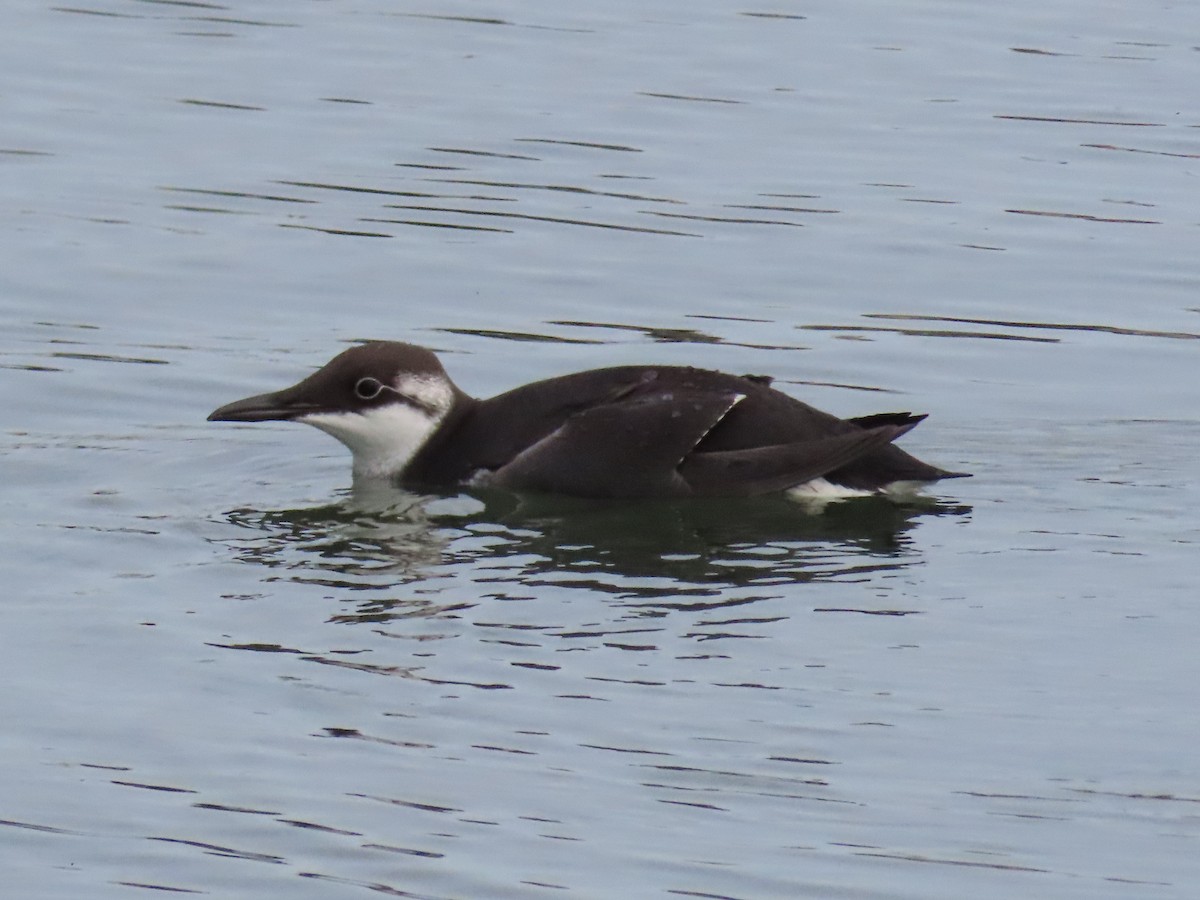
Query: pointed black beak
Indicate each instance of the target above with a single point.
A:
(279, 406)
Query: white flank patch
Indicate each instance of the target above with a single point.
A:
(823, 491)
(480, 478)
(819, 491)
(904, 490)
(385, 439)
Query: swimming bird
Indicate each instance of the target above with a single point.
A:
(621, 432)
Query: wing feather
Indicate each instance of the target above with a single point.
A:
(632, 447)
(761, 470)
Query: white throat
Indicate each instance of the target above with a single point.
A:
(384, 439)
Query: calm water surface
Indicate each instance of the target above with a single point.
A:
(227, 674)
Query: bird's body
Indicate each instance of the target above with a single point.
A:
(627, 431)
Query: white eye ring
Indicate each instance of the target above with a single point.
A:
(368, 388)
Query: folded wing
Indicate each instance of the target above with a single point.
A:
(762, 470)
(645, 444)
(631, 447)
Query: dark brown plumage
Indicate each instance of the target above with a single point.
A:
(627, 431)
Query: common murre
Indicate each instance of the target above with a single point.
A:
(627, 431)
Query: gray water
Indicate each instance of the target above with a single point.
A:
(226, 674)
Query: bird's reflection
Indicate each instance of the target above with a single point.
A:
(363, 542)
(685, 553)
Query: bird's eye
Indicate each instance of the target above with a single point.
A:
(367, 388)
